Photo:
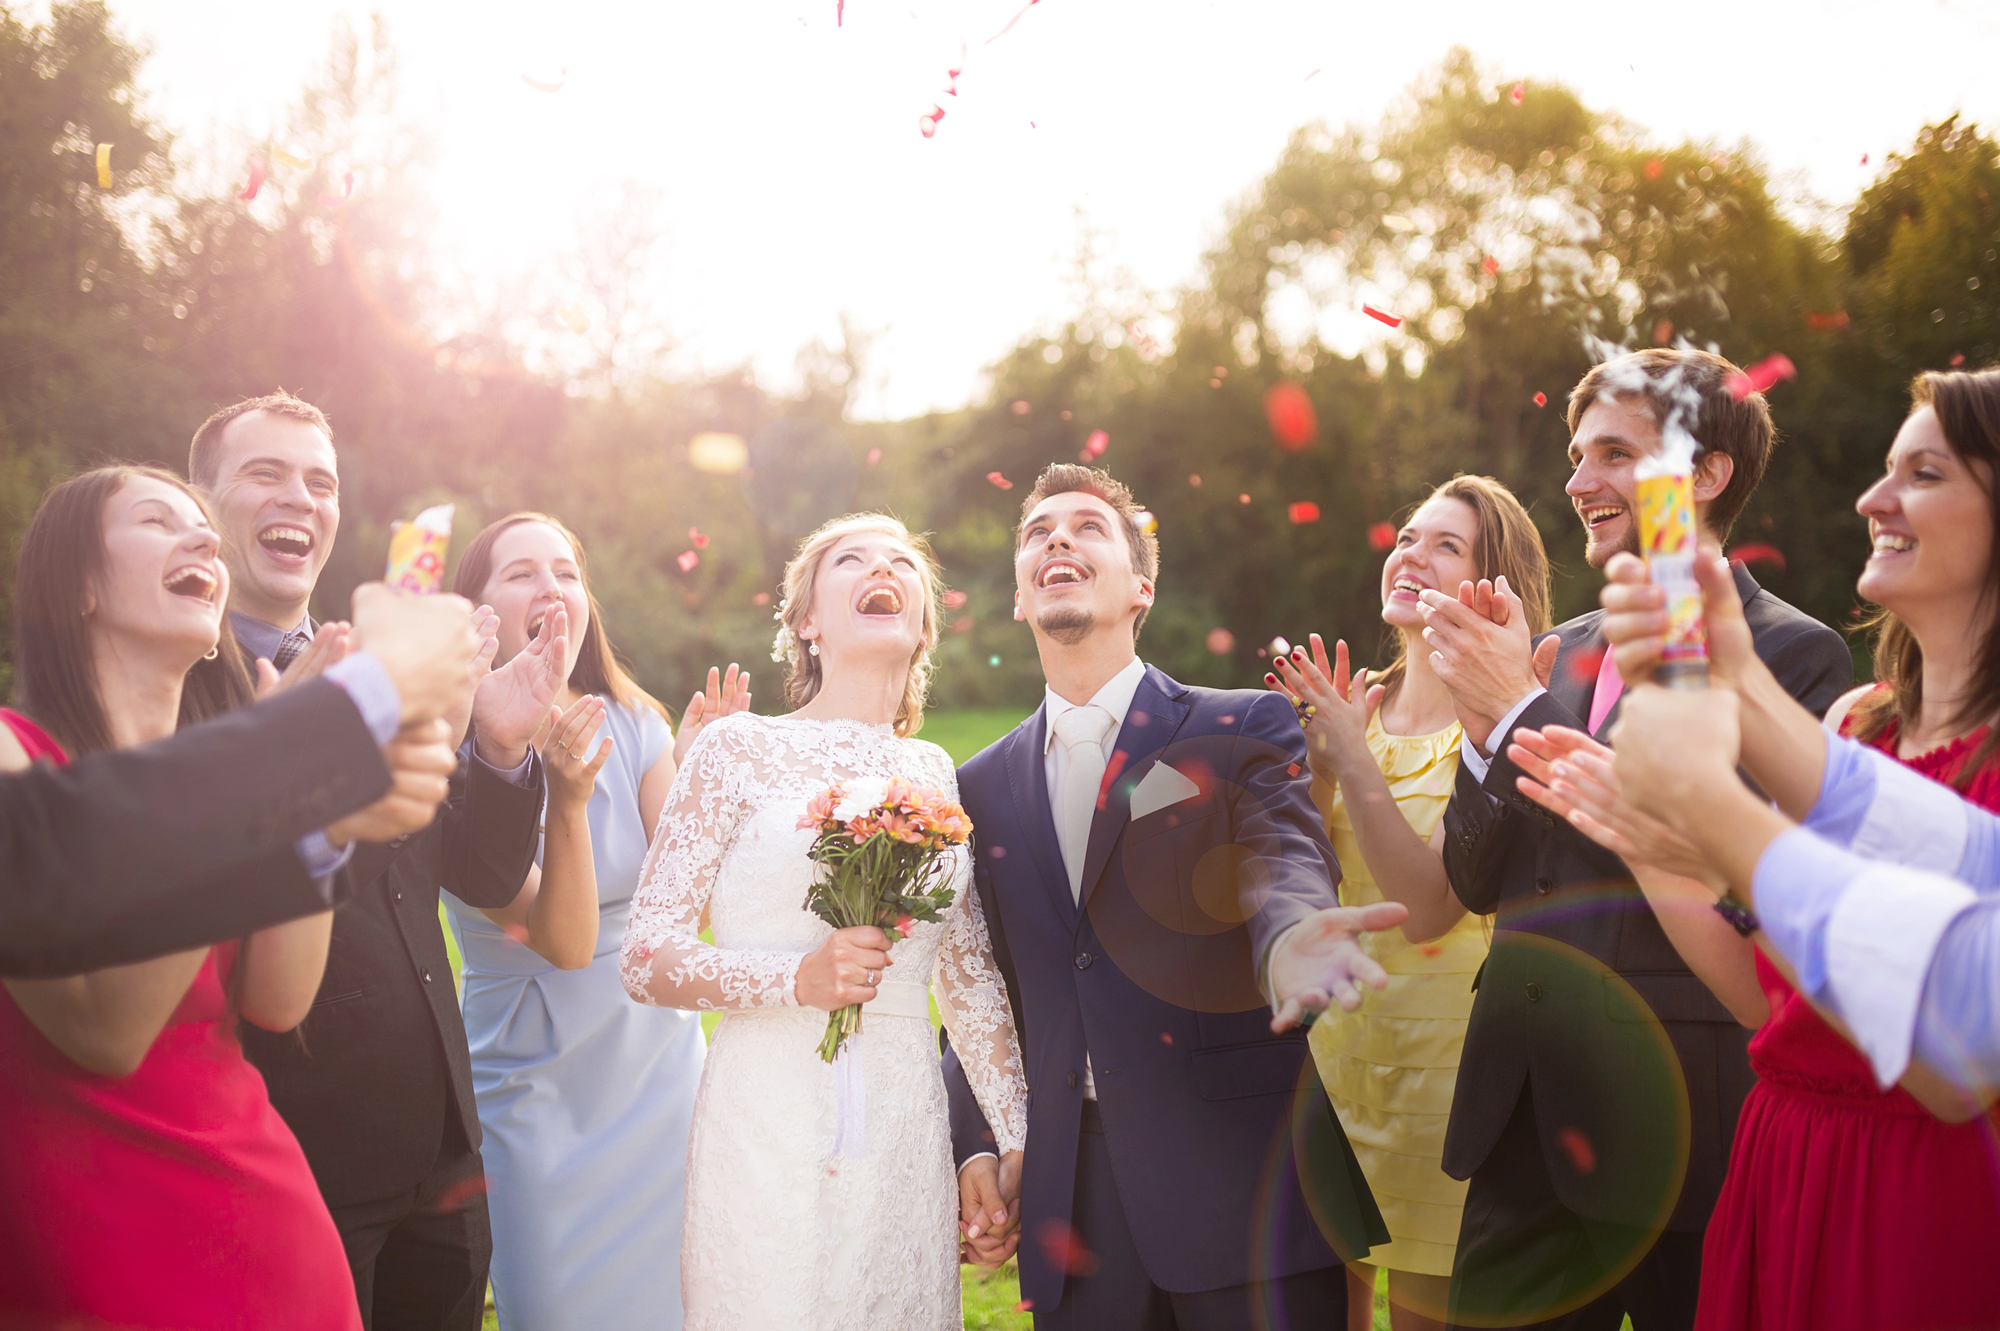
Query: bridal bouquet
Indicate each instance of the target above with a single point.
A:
(884, 855)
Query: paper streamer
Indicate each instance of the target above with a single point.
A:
(850, 1100)
(104, 166)
(256, 179)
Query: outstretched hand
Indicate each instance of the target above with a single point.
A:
(726, 695)
(1320, 961)
(1343, 705)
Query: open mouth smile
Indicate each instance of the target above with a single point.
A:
(1893, 543)
(1596, 515)
(286, 541)
(1061, 573)
(1409, 587)
(884, 602)
(194, 582)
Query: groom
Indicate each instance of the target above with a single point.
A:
(1157, 881)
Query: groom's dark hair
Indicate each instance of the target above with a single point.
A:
(1068, 477)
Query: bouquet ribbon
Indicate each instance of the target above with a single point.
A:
(893, 998)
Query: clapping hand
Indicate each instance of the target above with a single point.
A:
(1320, 960)
(726, 695)
(1342, 707)
(512, 703)
(421, 761)
(566, 758)
(1482, 649)
(330, 644)
(1571, 775)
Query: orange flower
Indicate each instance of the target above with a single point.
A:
(862, 826)
(819, 809)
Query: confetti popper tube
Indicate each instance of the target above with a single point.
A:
(416, 551)
(1667, 538)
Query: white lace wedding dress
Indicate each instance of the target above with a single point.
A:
(786, 1226)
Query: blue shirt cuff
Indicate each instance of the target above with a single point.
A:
(1798, 882)
(373, 693)
(319, 856)
(1846, 790)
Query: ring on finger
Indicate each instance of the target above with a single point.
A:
(871, 979)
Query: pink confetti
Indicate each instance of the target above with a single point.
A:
(339, 200)
(1065, 1249)
(995, 478)
(1584, 665)
(1293, 770)
(1957, 359)
(954, 598)
(1309, 78)
(1290, 414)
(1826, 323)
(1762, 376)
(1517, 93)
(458, 1194)
(1010, 23)
(695, 538)
(1097, 443)
(839, 12)
(963, 624)
(1581, 1153)
(1864, 159)
(1020, 406)
(1025, 1306)
(1220, 642)
(1492, 266)
(1383, 316)
(1381, 536)
(1757, 554)
(1194, 479)
(687, 559)
(1166, 1037)
(928, 122)
(1541, 399)
(1431, 949)
(1305, 510)
(519, 933)
(1111, 771)
(998, 852)
(1653, 168)
(761, 598)
(256, 179)
(1243, 499)
(874, 456)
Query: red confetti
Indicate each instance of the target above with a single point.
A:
(1381, 536)
(1166, 1037)
(1864, 159)
(1111, 771)
(458, 1194)
(904, 923)
(1431, 949)
(1760, 378)
(1220, 642)
(1583, 665)
(761, 598)
(998, 852)
(1064, 1248)
(1194, 479)
(519, 933)
(256, 179)
(687, 559)
(1541, 399)
(1492, 266)
(954, 598)
(995, 478)
(927, 123)
(1025, 1306)
(1653, 169)
(1663, 332)
(1308, 78)
(1293, 770)
(1758, 554)
(839, 12)
(1020, 406)
(1826, 323)
(874, 456)
(1581, 1153)
(1957, 359)
(1243, 499)
(1290, 414)
(1097, 443)
(1010, 23)
(1517, 92)
(697, 540)
(963, 624)
(1383, 316)
(339, 200)
(1303, 511)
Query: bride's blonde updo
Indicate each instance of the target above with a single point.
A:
(802, 668)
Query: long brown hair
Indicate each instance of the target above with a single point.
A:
(1967, 403)
(1508, 544)
(61, 563)
(598, 669)
(803, 676)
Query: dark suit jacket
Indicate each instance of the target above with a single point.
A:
(375, 1076)
(123, 856)
(1156, 977)
(1638, 1072)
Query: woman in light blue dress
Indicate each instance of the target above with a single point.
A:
(584, 1096)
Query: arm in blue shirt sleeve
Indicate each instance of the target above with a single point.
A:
(1958, 1022)
(1876, 807)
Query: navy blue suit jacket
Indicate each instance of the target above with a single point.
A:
(1210, 1119)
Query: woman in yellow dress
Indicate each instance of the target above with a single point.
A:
(1384, 754)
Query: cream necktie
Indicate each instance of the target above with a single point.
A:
(1081, 732)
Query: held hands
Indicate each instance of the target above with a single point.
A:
(329, 645)
(1571, 775)
(1481, 648)
(571, 774)
(989, 1223)
(513, 702)
(1320, 961)
(726, 696)
(421, 761)
(845, 969)
(425, 643)
(1342, 707)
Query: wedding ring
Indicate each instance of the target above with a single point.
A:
(871, 979)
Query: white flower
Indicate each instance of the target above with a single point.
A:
(862, 796)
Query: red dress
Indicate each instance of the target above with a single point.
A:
(172, 1198)
(1847, 1208)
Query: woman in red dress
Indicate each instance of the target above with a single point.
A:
(147, 1182)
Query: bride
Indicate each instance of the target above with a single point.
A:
(821, 1196)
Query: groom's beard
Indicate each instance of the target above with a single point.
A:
(1066, 624)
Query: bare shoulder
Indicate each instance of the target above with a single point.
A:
(13, 758)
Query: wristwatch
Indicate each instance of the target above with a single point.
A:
(1741, 918)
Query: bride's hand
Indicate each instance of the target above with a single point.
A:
(989, 1223)
(845, 969)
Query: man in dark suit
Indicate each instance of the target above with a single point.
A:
(124, 856)
(1601, 1079)
(377, 1082)
(1157, 882)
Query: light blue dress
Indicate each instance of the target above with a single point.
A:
(584, 1095)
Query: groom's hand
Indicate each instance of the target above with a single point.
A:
(989, 1222)
(1320, 961)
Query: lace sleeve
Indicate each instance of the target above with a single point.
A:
(664, 961)
(972, 999)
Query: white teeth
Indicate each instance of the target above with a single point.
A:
(293, 535)
(1594, 514)
(1055, 573)
(1889, 542)
(882, 601)
(1408, 585)
(192, 581)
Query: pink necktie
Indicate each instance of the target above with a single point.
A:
(1609, 686)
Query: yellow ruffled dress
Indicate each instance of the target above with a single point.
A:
(1390, 1066)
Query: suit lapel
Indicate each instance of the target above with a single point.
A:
(1156, 713)
(1028, 781)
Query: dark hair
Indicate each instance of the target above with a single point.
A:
(207, 440)
(1508, 544)
(1738, 428)
(1068, 478)
(598, 669)
(1968, 411)
(55, 671)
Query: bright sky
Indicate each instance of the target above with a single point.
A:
(795, 184)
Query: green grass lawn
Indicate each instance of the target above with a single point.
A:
(965, 732)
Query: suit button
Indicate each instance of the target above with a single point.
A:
(1542, 886)
(1072, 1081)
(1534, 991)
(427, 979)
(1083, 960)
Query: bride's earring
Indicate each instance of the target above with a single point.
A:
(813, 647)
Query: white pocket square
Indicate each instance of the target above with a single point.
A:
(1161, 787)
